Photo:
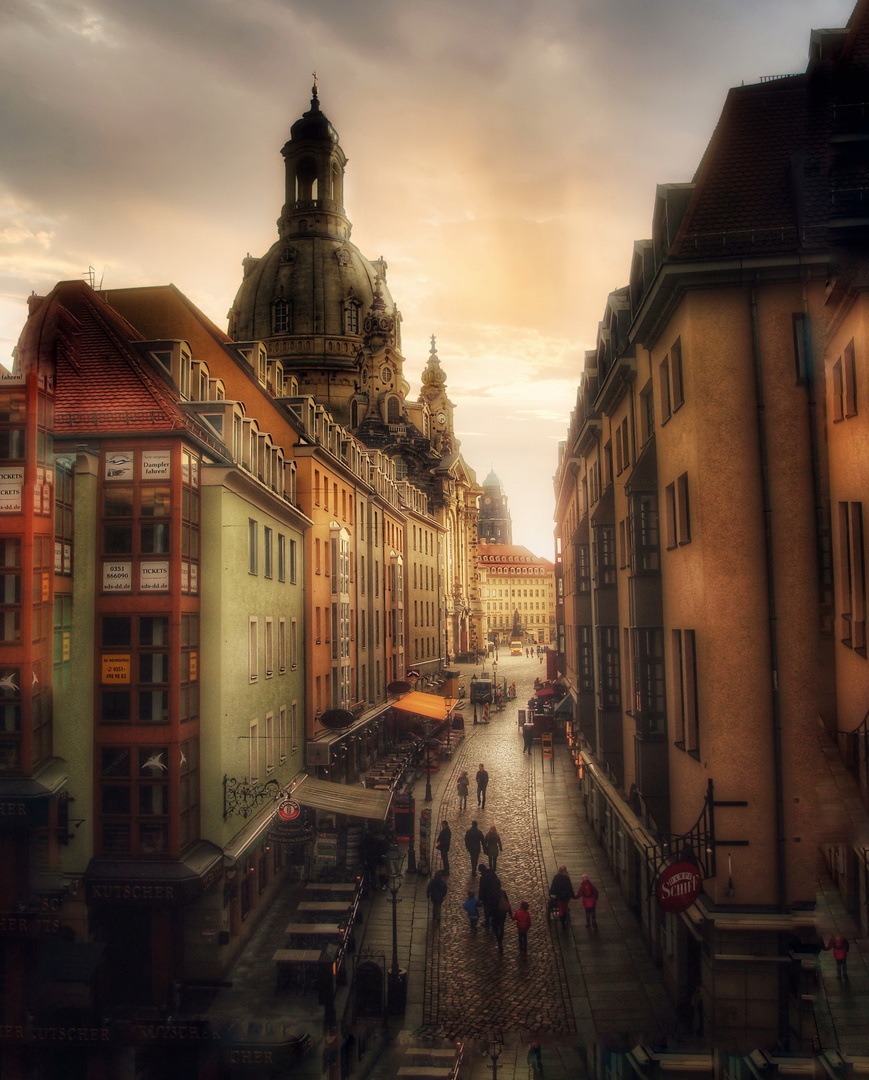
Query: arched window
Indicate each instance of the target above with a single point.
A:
(280, 316)
(393, 415)
(336, 183)
(306, 180)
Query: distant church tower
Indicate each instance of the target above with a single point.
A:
(495, 525)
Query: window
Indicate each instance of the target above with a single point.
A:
(643, 532)
(649, 680)
(134, 665)
(849, 373)
(664, 389)
(605, 555)
(852, 576)
(686, 723)
(282, 734)
(270, 743)
(293, 564)
(351, 317)
(134, 800)
(282, 645)
(253, 647)
(647, 414)
(282, 557)
(270, 648)
(251, 546)
(280, 316)
(10, 588)
(802, 345)
(64, 481)
(294, 726)
(253, 752)
(678, 396)
(678, 512)
(189, 674)
(609, 687)
(268, 551)
(294, 644)
(585, 659)
(189, 792)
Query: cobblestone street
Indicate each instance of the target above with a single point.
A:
(471, 987)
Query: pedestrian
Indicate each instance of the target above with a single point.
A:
(535, 1059)
(561, 890)
(587, 893)
(522, 918)
(492, 846)
(445, 838)
(486, 712)
(474, 843)
(472, 906)
(490, 892)
(528, 737)
(840, 946)
(482, 779)
(463, 786)
(436, 892)
(503, 911)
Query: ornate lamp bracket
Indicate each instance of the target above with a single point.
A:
(245, 796)
(698, 845)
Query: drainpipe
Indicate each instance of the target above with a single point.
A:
(780, 861)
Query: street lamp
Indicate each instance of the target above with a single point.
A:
(474, 694)
(427, 729)
(397, 983)
(495, 1048)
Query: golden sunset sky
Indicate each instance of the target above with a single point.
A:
(503, 157)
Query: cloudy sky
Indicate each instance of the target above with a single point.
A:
(503, 157)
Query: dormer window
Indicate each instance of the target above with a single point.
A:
(393, 413)
(351, 316)
(280, 316)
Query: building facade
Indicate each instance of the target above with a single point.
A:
(710, 550)
(518, 592)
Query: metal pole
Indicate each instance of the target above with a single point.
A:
(427, 771)
(394, 901)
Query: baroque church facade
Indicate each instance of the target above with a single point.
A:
(324, 312)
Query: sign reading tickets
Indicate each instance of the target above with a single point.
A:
(155, 464)
(678, 887)
(117, 577)
(11, 483)
(116, 668)
(153, 577)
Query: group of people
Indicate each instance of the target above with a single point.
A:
(463, 787)
(561, 893)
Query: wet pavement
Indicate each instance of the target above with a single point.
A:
(575, 988)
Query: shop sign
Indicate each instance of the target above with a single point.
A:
(10, 497)
(116, 668)
(155, 464)
(289, 810)
(119, 465)
(678, 887)
(154, 577)
(117, 577)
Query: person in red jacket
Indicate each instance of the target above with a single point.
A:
(522, 918)
(588, 895)
(840, 945)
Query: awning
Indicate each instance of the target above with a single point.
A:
(564, 707)
(164, 881)
(544, 691)
(429, 705)
(343, 798)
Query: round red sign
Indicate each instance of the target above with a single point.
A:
(679, 886)
(289, 810)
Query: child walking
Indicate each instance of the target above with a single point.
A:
(472, 906)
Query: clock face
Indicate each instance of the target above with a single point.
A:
(441, 418)
(487, 500)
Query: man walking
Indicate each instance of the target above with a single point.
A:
(482, 779)
(445, 838)
(528, 737)
(474, 843)
(436, 892)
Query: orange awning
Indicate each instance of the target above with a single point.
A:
(428, 705)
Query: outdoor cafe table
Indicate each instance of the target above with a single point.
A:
(323, 932)
(326, 906)
(305, 960)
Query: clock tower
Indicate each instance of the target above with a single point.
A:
(433, 394)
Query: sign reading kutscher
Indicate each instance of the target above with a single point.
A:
(678, 887)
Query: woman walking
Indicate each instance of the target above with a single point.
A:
(561, 891)
(463, 786)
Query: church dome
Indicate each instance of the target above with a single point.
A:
(492, 481)
(308, 297)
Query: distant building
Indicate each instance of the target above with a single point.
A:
(518, 588)
(495, 525)
(711, 548)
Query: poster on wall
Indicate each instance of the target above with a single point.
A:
(156, 464)
(153, 577)
(117, 577)
(119, 465)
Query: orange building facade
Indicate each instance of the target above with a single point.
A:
(710, 550)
